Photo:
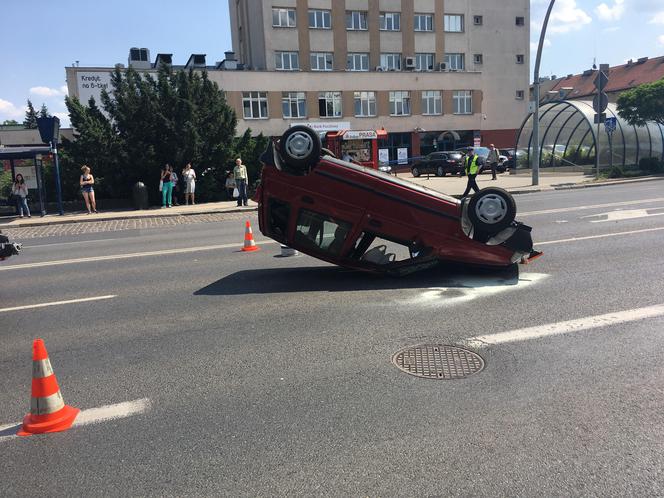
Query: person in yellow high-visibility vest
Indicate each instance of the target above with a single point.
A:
(472, 168)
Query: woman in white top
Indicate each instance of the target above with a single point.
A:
(20, 191)
(189, 176)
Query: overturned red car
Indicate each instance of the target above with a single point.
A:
(364, 219)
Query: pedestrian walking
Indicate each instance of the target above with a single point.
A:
(176, 186)
(471, 167)
(492, 159)
(166, 187)
(230, 185)
(20, 193)
(87, 181)
(189, 176)
(240, 175)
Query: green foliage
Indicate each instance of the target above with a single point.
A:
(651, 165)
(30, 120)
(643, 103)
(616, 172)
(10, 122)
(43, 112)
(5, 184)
(174, 117)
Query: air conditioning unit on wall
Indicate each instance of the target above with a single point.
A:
(409, 62)
(442, 66)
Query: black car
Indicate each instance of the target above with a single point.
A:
(439, 163)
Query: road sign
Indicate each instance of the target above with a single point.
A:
(601, 80)
(600, 118)
(610, 125)
(600, 102)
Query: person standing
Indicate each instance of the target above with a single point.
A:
(86, 182)
(166, 187)
(176, 186)
(189, 176)
(20, 191)
(492, 159)
(230, 185)
(240, 175)
(471, 167)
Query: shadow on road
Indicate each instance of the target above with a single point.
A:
(335, 279)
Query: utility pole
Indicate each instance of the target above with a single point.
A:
(534, 158)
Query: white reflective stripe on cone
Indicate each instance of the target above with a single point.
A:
(47, 404)
(41, 368)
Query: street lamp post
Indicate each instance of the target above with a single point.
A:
(534, 158)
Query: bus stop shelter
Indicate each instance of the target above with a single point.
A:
(32, 173)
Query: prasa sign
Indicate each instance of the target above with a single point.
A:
(360, 135)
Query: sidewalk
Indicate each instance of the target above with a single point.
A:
(516, 184)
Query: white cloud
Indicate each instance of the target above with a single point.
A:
(566, 16)
(10, 111)
(607, 13)
(64, 90)
(660, 40)
(657, 18)
(611, 29)
(533, 45)
(44, 91)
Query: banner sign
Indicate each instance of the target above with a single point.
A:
(360, 135)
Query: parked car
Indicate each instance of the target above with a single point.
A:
(367, 220)
(439, 163)
(513, 157)
(7, 248)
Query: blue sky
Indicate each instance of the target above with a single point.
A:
(40, 38)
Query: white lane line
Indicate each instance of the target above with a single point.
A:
(550, 329)
(37, 246)
(602, 236)
(594, 206)
(90, 416)
(128, 256)
(58, 303)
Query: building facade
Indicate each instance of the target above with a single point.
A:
(435, 74)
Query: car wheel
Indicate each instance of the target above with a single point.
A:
(300, 147)
(415, 172)
(440, 171)
(492, 210)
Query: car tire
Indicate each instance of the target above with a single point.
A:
(440, 171)
(300, 147)
(415, 172)
(491, 210)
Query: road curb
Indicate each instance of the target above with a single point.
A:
(122, 218)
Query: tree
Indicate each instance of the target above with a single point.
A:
(148, 121)
(643, 103)
(43, 112)
(30, 120)
(10, 122)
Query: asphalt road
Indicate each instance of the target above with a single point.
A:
(272, 376)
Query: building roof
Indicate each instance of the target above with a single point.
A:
(621, 78)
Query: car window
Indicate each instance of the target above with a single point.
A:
(321, 232)
(373, 249)
(278, 216)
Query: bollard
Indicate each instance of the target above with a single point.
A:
(139, 195)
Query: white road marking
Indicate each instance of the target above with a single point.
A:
(128, 256)
(470, 289)
(91, 416)
(594, 206)
(566, 327)
(57, 303)
(619, 214)
(604, 235)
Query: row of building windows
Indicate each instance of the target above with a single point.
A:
(357, 20)
(324, 61)
(294, 104)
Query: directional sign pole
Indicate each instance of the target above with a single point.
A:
(600, 103)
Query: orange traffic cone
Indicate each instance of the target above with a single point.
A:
(48, 412)
(249, 244)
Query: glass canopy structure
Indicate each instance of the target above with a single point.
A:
(568, 137)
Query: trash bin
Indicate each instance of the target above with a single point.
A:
(139, 194)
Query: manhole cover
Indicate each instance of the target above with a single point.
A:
(437, 361)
